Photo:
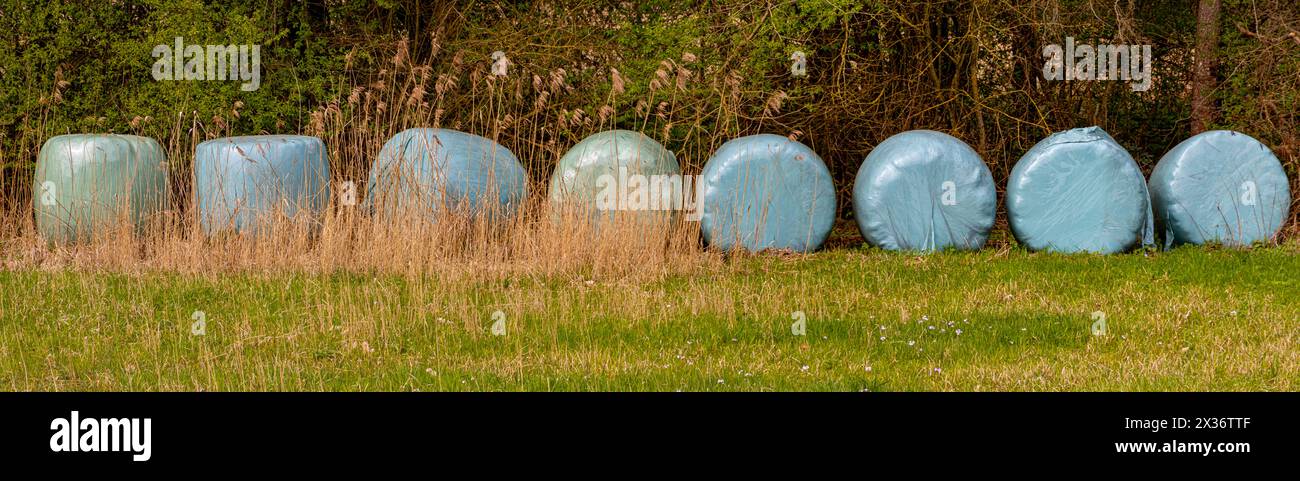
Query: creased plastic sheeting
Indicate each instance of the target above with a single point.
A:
(923, 190)
(85, 183)
(766, 192)
(592, 176)
(1079, 191)
(1220, 186)
(241, 182)
(437, 170)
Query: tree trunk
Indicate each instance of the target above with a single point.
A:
(1203, 78)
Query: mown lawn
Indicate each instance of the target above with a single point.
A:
(1190, 319)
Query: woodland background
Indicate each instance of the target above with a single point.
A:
(690, 74)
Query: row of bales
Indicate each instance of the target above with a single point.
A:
(1075, 191)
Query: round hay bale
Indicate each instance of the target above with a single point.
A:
(766, 192)
(1220, 186)
(86, 184)
(441, 170)
(923, 190)
(1079, 191)
(243, 183)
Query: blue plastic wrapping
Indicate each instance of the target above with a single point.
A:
(1079, 191)
(87, 183)
(766, 192)
(1220, 186)
(242, 182)
(610, 172)
(439, 170)
(923, 190)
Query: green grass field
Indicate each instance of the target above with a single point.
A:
(1190, 319)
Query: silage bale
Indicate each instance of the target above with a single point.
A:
(612, 172)
(766, 192)
(243, 183)
(1079, 191)
(88, 183)
(1220, 186)
(442, 170)
(923, 190)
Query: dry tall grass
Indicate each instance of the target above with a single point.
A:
(534, 242)
(354, 129)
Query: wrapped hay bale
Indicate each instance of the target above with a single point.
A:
(923, 190)
(766, 192)
(441, 170)
(242, 183)
(1220, 186)
(86, 184)
(1079, 191)
(617, 171)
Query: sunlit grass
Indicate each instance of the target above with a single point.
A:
(1191, 319)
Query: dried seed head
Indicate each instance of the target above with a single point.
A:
(617, 80)
(774, 102)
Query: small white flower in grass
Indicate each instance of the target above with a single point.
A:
(1233, 313)
(911, 343)
(721, 381)
(925, 318)
(804, 368)
(931, 328)
(868, 368)
(882, 338)
(882, 328)
(959, 332)
(937, 370)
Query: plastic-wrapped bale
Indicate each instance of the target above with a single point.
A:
(1220, 186)
(1079, 191)
(923, 190)
(617, 171)
(86, 184)
(244, 183)
(440, 170)
(766, 192)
